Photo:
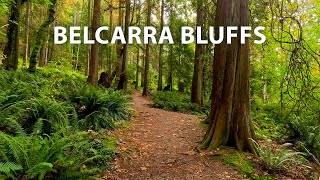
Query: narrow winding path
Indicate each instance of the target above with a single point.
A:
(160, 145)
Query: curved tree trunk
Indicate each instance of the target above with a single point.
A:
(230, 106)
(41, 33)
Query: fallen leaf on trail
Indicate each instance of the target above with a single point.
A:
(143, 168)
(190, 153)
(134, 155)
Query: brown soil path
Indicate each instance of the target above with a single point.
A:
(160, 145)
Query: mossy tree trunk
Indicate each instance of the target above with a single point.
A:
(41, 36)
(11, 50)
(230, 106)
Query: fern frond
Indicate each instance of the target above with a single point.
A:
(7, 167)
(40, 170)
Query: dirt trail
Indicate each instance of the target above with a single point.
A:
(160, 145)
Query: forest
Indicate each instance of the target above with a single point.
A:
(77, 101)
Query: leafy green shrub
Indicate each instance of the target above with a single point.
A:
(179, 102)
(75, 156)
(266, 119)
(40, 115)
(276, 159)
(307, 131)
(99, 108)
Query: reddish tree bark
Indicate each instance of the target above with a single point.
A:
(196, 90)
(230, 122)
(94, 60)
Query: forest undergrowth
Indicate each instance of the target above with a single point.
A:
(53, 125)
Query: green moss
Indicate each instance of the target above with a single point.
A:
(123, 125)
(238, 162)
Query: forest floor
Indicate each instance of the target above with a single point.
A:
(160, 144)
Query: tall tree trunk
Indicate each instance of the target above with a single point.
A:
(43, 52)
(138, 47)
(117, 69)
(109, 66)
(118, 44)
(196, 91)
(78, 46)
(94, 60)
(142, 71)
(147, 59)
(41, 33)
(123, 76)
(89, 45)
(136, 85)
(160, 77)
(11, 50)
(26, 36)
(230, 122)
(170, 79)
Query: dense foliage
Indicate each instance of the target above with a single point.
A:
(180, 102)
(50, 123)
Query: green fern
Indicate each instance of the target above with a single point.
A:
(8, 167)
(16, 149)
(40, 170)
(277, 159)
